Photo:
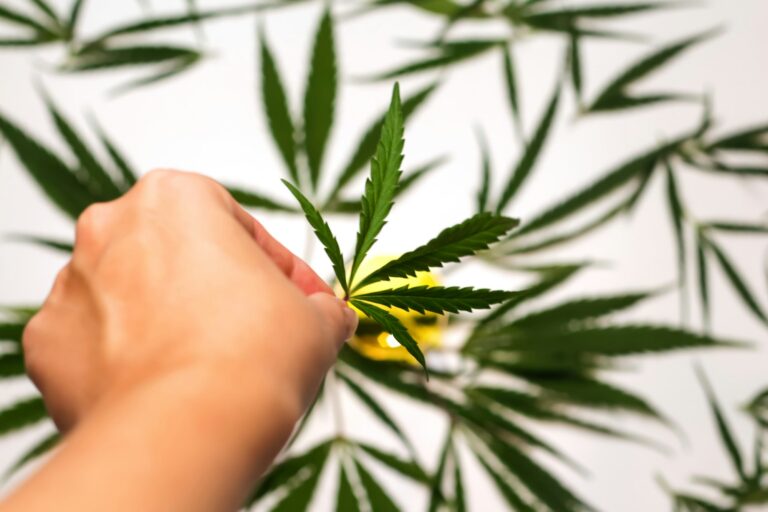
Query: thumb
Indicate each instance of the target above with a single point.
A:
(340, 319)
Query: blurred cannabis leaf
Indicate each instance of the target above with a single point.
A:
(516, 366)
(750, 489)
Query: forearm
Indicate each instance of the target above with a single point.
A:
(183, 443)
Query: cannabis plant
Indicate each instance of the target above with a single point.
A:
(517, 364)
(751, 483)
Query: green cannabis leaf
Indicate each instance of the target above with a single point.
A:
(464, 239)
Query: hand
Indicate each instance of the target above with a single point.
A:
(175, 279)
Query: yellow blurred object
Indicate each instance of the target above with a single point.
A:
(426, 329)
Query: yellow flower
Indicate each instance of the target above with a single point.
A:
(374, 343)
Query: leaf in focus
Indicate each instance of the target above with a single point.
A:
(436, 299)
(320, 96)
(451, 244)
(324, 234)
(21, 414)
(274, 100)
(55, 178)
(392, 325)
(381, 186)
(365, 148)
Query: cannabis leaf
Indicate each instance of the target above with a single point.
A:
(324, 234)
(394, 327)
(464, 239)
(436, 299)
(616, 96)
(451, 244)
(381, 186)
(320, 97)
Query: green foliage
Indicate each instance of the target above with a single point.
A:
(615, 95)
(436, 299)
(748, 490)
(320, 97)
(22, 414)
(547, 363)
(380, 187)
(451, 244)
(463, 239)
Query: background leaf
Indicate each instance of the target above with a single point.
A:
(320, 96)
(276, 108)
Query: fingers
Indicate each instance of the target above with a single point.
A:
(339, 319)
(296, 269)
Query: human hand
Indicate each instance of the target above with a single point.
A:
(175, 279)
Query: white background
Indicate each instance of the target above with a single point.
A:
(210, 120)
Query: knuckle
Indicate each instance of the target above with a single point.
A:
(168, 184)
(32, 338)
(91, 222)
(159, 176)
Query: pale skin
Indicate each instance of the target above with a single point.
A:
(176, 352)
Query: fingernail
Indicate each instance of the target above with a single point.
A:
(350, 318)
